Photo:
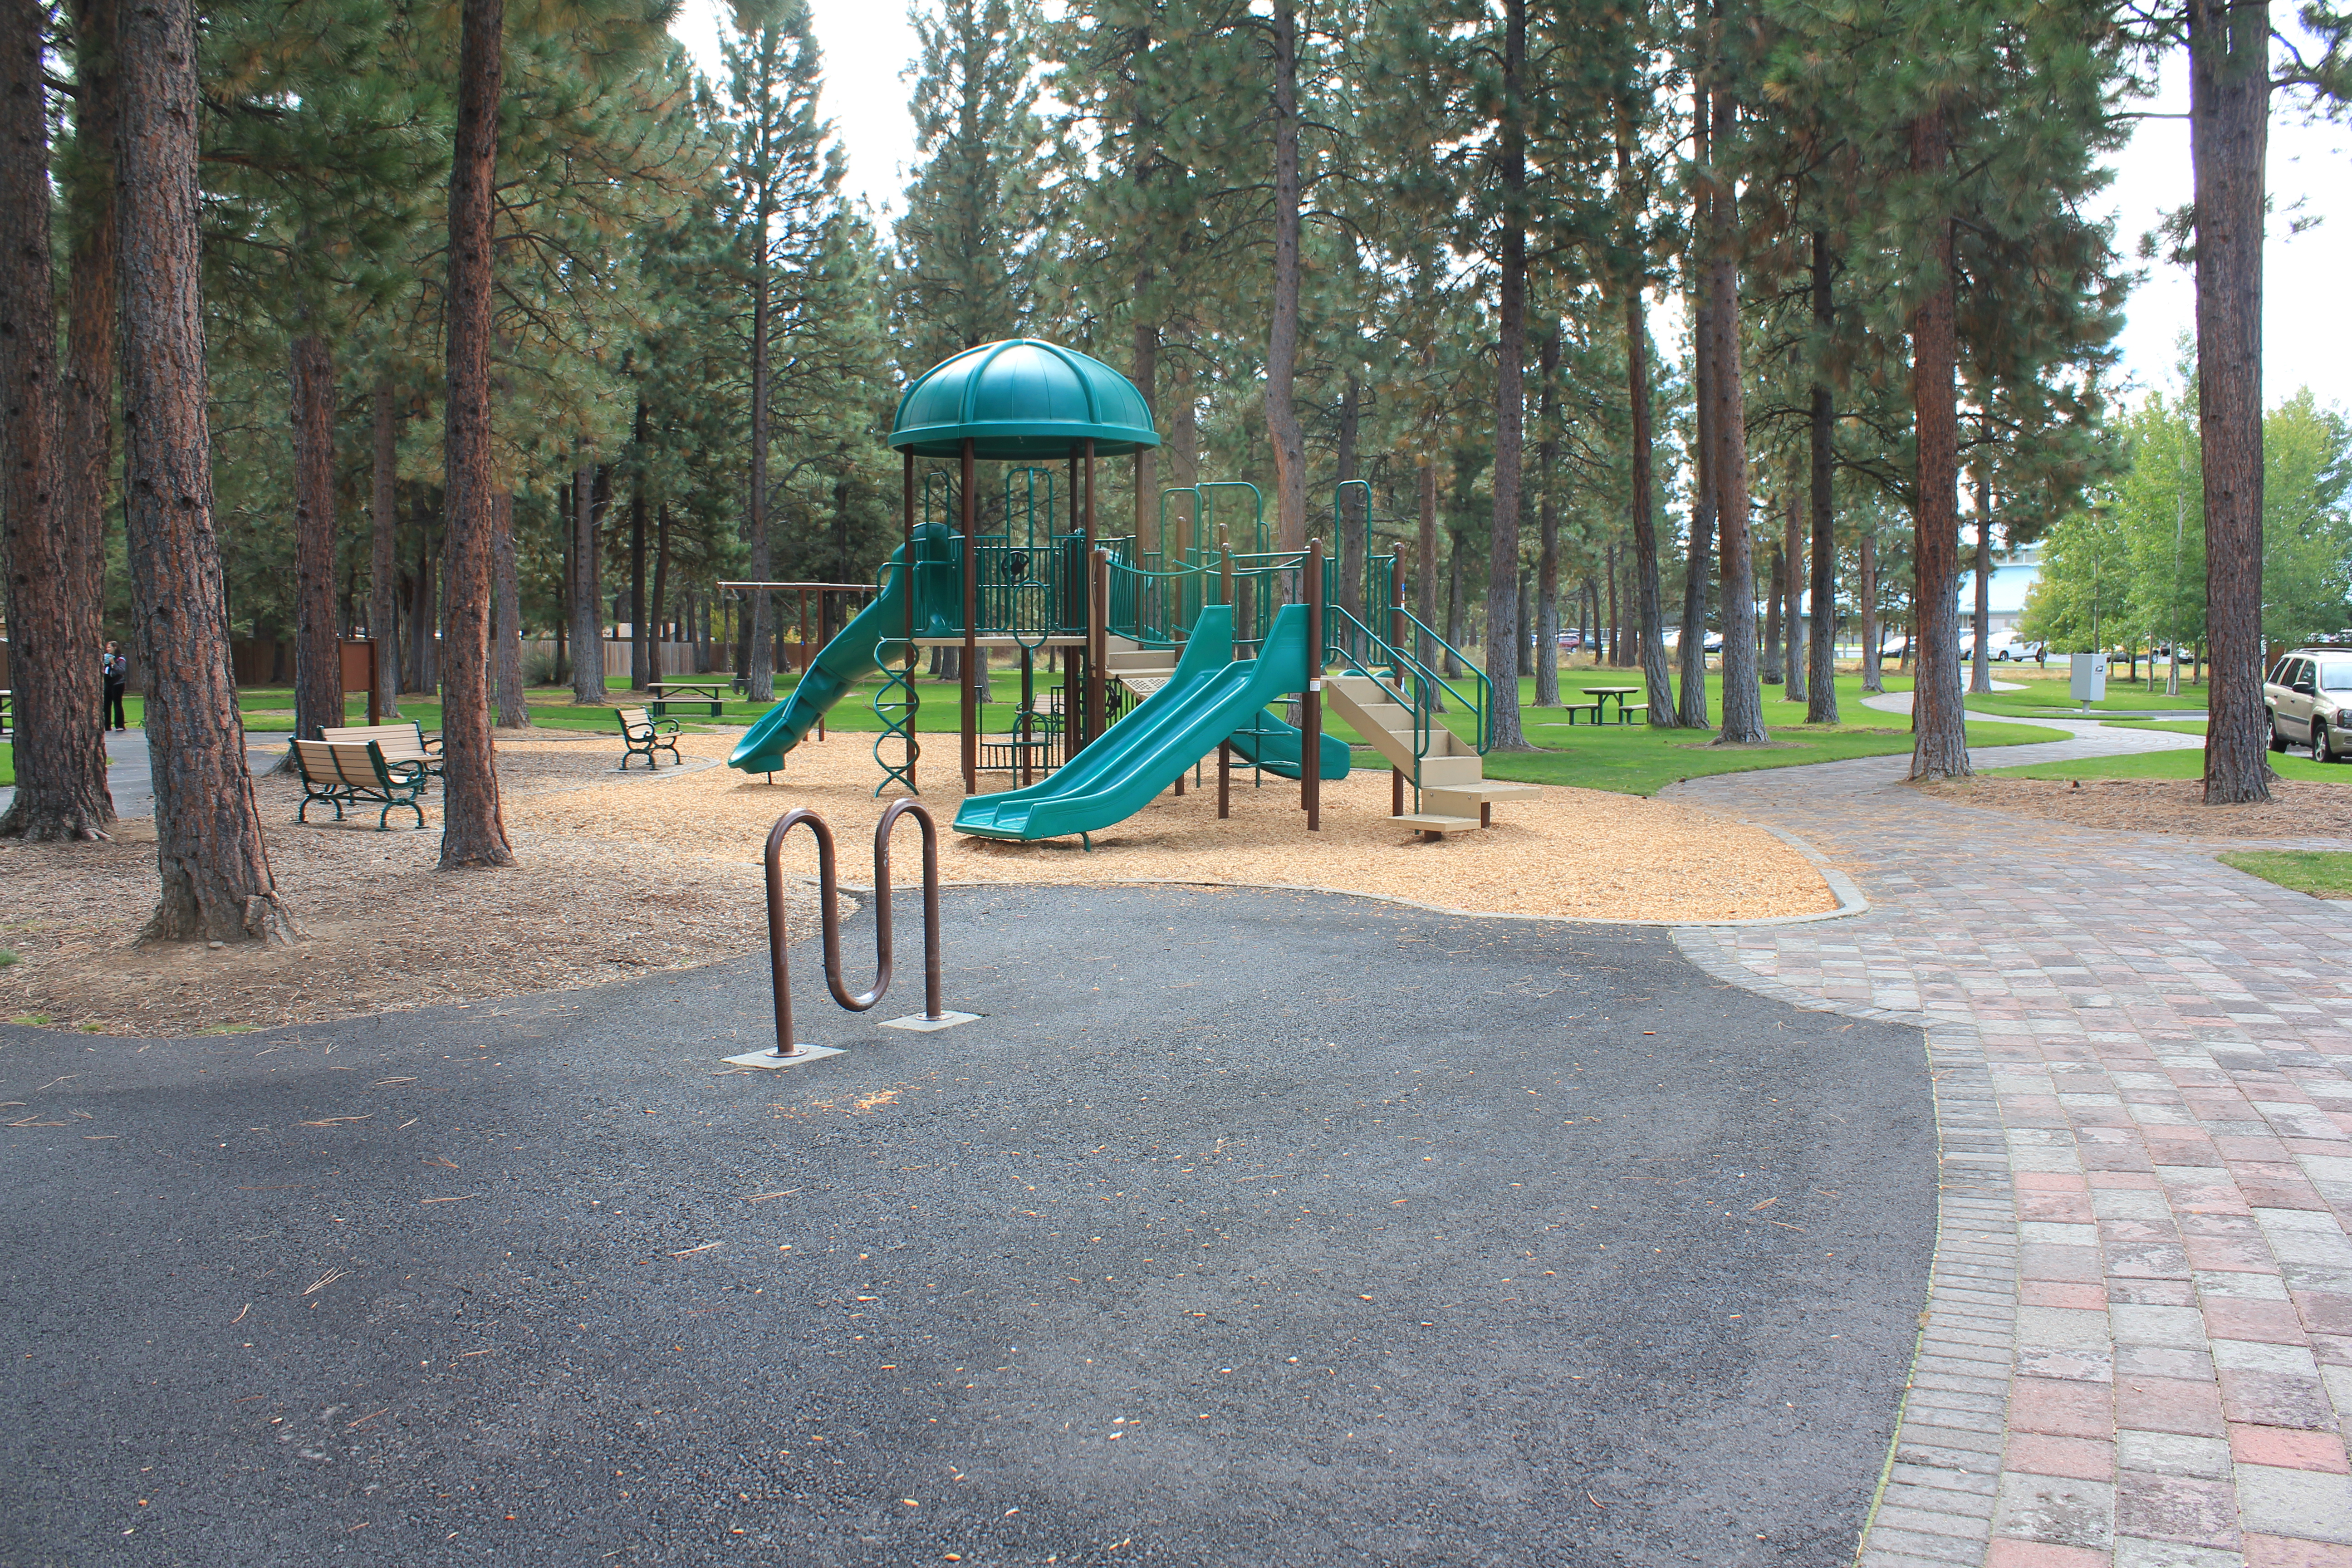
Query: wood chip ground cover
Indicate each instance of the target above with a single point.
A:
(620, 875)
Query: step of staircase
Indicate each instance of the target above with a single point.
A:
(1455, 795)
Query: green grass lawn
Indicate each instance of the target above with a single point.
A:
(2186, 764)
(2044, 696)
(2322, 873)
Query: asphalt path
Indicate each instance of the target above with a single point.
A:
(1245, 1228)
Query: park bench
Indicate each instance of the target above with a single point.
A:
(1573, 709)
(340, 774)
(1625, 712)
(667, 692)
(399, 743)
(644, 735)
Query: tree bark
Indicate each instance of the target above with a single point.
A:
(1457, 547)
(640, 625)
(383, 569)
(52, 599)
(1692, 707)
(1282, 428)
(2229, 131)
(1980, 660)
(1145, 373)
(1821, 645)
(1743, 697)
(215, 867)
(587, 594)
(1425, 573)
(1939, 746)
(1351, 519)
(1872, 680)
(424, 616)
(1775, 593)
(1548, 520)
(514, 708)
(1511, 392)
(318, 654)
(661, 589)
(1792, 551)
(473, 829)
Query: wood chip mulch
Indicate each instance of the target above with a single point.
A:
(621, 875)
(2298, 808)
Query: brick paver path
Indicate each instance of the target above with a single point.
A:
(2137, 1348)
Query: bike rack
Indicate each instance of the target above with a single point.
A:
(788, 1050)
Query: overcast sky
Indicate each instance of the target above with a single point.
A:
(2307, 319)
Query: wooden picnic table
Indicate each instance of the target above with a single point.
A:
(1601, 696)
(710, 692)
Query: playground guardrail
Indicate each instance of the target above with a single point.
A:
(788, 1047)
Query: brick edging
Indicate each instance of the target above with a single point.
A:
(1964, 1353)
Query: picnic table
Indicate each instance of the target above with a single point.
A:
(667, 691)
(1599, 706)
(8, 698)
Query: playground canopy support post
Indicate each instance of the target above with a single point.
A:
(1097, 610)
(907, 566)
(829, 919)
(971, 623)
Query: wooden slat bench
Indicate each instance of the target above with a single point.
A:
(340, 774)
(1573, 709)
(399, 743)
(644, 735)
(1625, 712)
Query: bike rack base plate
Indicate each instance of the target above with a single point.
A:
(921, 1024)
(769, 1059)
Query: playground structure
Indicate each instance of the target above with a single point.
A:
(1171, 650)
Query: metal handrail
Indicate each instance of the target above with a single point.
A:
(1426, 685)
(829, 920)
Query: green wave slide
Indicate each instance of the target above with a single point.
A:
(849, 657)
(1210, 695)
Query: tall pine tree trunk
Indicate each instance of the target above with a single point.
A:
(661, 588)
(1775, 595)
(759, 648)
(640, 633)
(1939, 746)
(1873, 681)
(1352, 514)
(1820, 646)
(514, 708)
(52, 603)
(473, 830)
(1547, 521)
(384, 568)
(1510, 393)
(318, 654)
(1743, 696)
(2229, 131)
(217, 882)
(1980, 656)
(1792, 549)
(587, 597)
(1144, 370)
(1282, 428)
(1692, 706)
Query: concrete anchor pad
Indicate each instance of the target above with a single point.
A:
(1243, 1229)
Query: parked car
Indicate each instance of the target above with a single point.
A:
(2309, 695)
(1569, 641)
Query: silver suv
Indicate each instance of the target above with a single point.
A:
(2309, 694)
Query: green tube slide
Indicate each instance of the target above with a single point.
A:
(1210, 695)
(849, 657)
(1272, 743)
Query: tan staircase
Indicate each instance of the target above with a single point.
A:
(1143, 671)
(1456, 796)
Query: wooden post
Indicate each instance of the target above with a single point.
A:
(1396, 792)
(971, 626)
(1311, 728)
(1097, 608)
(1224, 778)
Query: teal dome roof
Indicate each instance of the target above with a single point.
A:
(1022, 400)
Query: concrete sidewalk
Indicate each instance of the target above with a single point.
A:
(130, 772)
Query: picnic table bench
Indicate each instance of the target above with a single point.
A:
(710, 692)
(400, 742)
(344, 773)
(644, 734)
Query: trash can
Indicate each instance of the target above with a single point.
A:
(2087, 678)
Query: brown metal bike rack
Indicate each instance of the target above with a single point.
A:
(934, 1015)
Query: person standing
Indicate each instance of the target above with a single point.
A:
(117, 674)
